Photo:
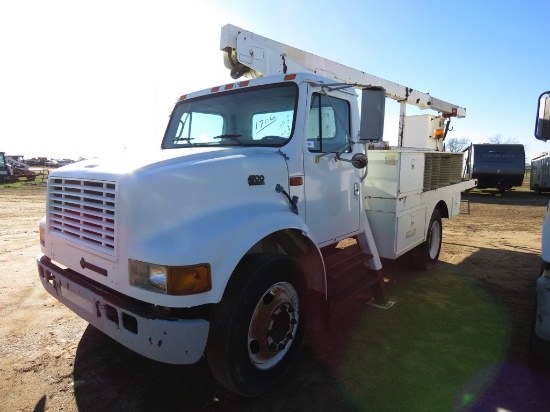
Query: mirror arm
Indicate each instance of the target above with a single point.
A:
(341, 152)
(337, 154)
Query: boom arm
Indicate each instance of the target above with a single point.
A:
(250, 55)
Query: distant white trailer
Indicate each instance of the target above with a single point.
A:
(540, 173)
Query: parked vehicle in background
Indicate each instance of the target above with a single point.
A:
(540, 173)
(32, 162)
(539, 353)
(6, 173)
(12, 169)
(498, 166)
(64, 162)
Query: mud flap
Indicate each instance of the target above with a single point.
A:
(317, 311)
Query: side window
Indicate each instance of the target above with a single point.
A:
(195, 127)
(328, 124)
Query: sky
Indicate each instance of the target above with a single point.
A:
(84, 79)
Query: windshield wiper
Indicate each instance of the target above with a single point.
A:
(230, 136)
(179, 139)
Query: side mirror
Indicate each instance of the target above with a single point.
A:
(542, 126)
(359, 160)
(373, 106)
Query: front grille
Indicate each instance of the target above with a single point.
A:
(84, 210)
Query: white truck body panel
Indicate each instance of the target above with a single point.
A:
(419, 131)
(154, 228)
(546, 237)
(542, 317)
(540, 172)
(398, 205)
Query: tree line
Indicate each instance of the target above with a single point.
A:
(459, 144)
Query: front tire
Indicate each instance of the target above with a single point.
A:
(425, 255)
(257, 327)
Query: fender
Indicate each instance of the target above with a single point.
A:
(222, 239)
(441, 205)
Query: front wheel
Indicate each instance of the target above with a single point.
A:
(425, 255)
(258, 325)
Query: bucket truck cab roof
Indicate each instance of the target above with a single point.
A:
(297, 78)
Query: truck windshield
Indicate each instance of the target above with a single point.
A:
(252, 116)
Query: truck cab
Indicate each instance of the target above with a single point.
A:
(296, 117)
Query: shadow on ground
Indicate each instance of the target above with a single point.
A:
(456, 339)
(512, 197)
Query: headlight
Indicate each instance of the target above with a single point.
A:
(170, 280)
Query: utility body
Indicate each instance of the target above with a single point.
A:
(222, 243)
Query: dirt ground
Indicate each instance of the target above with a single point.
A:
(456, 338)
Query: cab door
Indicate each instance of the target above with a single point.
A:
(332, 189)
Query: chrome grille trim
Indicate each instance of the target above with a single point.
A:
(84, 210)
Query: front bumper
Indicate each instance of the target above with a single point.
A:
(161, 338)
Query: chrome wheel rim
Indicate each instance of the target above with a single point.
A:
(435, 240)
(273, 325)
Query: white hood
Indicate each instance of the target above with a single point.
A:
(126, 162)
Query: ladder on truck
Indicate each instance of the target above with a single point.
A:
(251, 55)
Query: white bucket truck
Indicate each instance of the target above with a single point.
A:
(222, 243)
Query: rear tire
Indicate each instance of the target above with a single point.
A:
(257, 327)
(425, 255)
